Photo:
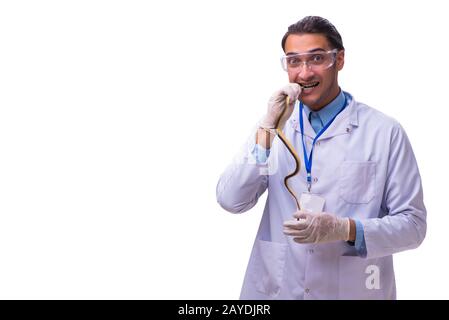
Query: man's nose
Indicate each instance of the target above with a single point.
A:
(305, 72)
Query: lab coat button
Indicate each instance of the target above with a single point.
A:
(307, 290)
(315, 179)
(348, 129)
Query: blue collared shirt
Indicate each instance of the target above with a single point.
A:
(318, 120)
(322, 117)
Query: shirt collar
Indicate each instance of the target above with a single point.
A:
(348, 118)
(328, 112)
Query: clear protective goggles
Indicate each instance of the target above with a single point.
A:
(316, 61)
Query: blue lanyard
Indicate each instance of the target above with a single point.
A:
(308, 159)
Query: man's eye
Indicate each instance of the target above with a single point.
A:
(293, 60)
(317, 58)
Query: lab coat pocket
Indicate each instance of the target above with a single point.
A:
(365, 279)
(357, 181)
(269, 262)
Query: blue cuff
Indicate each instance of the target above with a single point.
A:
(260, 153)
(360, 245)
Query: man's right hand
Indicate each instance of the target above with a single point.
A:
(277, 104)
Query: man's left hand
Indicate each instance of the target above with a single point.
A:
(317, 227)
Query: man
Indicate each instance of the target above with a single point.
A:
(359, 188)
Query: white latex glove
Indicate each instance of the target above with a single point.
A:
(276, 105)
(317, 227)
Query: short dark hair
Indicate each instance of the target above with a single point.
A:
(315, 24)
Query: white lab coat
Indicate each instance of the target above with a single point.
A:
(364, 166)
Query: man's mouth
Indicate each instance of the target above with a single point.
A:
(309, 85)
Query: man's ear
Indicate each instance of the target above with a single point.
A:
(340, 59)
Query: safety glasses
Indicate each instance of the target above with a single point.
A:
(315, 61)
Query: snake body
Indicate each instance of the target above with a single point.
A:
(292, 151)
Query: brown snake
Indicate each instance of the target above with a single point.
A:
(292, 151)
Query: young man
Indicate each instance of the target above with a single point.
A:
(359, 187)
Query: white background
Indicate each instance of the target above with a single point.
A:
(118, 117)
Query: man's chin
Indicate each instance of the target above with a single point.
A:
(309, 101)
(314, 100)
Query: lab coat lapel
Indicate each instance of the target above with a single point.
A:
(308, 130)
(343, 124)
